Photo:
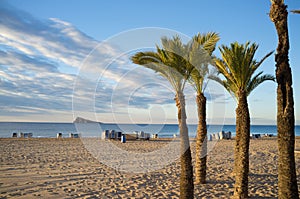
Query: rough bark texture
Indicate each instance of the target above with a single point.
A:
(201, 141)
(186, 177)
(287, 179)
(241, 153)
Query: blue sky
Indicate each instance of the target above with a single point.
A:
(45, 67)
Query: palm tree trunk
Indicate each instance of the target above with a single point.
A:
(201, 141)
(241, 166)
(186, 177)
(287, 179)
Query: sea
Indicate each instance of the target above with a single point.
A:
(49, 130)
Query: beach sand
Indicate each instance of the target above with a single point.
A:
(64, 168)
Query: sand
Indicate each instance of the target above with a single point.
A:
(64, 168)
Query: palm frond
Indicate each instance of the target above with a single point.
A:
(179, 62)
(208, 41)
(224, 83)
(177, 53)
(199, 54)
(257, 80)
(161, 63)
(295, 11)
(263, 59)
(238, 66)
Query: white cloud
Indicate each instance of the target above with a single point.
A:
(40, 60)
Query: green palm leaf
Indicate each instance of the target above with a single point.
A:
(200, 50)
(160, 62)
(257, 80)
(238, 66)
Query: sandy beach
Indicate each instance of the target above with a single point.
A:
(64, 168)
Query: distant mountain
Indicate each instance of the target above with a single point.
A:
(83, 120)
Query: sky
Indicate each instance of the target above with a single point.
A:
(61, 59)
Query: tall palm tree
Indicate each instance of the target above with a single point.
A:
(238, 67)
(287, 179)
(168, 61)
(200, 60)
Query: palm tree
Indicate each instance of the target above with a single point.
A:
(168, 61)
(287, 179)
(238, 67)
(199, 43)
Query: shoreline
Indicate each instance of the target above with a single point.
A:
(51, 130)
(274, 137)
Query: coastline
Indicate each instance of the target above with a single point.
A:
(163, 130)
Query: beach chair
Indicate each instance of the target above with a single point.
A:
(221, 135)
(74, 135)
(59, 135)
(118, 135)
(112, 134)
(141, 135)
(228, 135)
(146, 136)
(268, 135)
(15, 135)
(27, 135)
(132, 136)
(255, 136)
(105, 134)
(217, 137)
(123, 138)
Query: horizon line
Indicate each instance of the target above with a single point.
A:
(129, 123)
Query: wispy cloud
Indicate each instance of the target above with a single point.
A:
(45, 64)
(53, 39)
(40, 60)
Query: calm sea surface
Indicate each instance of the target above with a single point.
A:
(95, 129)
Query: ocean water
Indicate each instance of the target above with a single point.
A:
(95, 129)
